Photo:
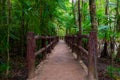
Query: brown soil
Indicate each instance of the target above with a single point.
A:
(60, 65)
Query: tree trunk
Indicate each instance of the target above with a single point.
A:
(118, 26)
(0, 12)
(8, 22)
(118, 16)
(107, 10)
(23, 35)
(104, 53)
(79, 42)
(118, 55)
(83, 16)
(79, 17)
(94, 24)
(93, 15)
(4, 19)
(73, 12)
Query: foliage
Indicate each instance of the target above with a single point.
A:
(117, 60)
(39, 16)
(104, 32)
(50, 17)
(3, 68)
(113, 72)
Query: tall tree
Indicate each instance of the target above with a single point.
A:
(118, 16)
(79, 18)
(23, 35)
(118, 25)
(104, 53)
(107, 10)
(73, 11)
(0, 11)
(8, 35)
(94, 24)
(4, 19)
(79, 25)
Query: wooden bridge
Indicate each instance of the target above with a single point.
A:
(67, 60)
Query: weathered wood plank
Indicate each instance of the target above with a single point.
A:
(30, 54)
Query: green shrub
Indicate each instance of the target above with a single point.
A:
(113, 72)
(118, 60)
(3, 68)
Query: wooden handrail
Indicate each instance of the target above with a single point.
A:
(44, 37)
(74, 41)
(31, 46)
(80, 48)
(78, 36)
(44, 48)
(30, 57)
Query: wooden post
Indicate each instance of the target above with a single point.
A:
(52, 46)
(79, 43)
(92, 66)
(73, 42)
(49, 42)
(43, 42)
(71, 38)
(30, 54)
(57, 39)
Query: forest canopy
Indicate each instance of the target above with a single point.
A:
(55, 18)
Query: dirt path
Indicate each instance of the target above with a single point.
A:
(60, 65)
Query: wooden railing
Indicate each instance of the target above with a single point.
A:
(88, 56)
(48, 43)
(61, 37)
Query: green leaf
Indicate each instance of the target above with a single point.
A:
(13, 36)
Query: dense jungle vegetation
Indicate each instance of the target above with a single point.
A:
(57, 18)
